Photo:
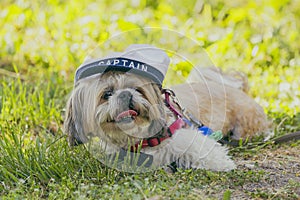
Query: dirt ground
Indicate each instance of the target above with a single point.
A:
(280, 167)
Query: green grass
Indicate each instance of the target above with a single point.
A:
(42, 43)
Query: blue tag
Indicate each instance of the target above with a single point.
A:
(205, 130)
(217, 135)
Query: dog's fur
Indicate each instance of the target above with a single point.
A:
(96, 102)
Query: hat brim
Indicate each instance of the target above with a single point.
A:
(113, 64)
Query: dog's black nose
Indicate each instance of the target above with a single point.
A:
(125, 100)
(125, 96)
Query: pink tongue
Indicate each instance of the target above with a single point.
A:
(128, 113)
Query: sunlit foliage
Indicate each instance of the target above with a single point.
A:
(42, 42)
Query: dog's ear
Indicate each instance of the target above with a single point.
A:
(73, 123)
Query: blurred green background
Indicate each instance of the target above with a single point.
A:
(260, 38)
(42, 42)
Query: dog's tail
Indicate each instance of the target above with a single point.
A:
(231, 78)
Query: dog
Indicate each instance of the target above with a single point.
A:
(119, 100)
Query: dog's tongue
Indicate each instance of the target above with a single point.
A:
(126, 114)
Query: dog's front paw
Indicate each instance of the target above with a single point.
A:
(194, 150)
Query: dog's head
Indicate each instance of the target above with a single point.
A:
(116, 107)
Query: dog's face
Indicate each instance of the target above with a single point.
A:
(116, 107)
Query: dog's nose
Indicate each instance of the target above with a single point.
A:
(125, 96)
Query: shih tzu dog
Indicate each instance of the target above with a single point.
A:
(119, 102)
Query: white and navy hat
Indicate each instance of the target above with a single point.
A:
(141, 59)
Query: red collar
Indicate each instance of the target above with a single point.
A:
(178, 124)
(154, 141)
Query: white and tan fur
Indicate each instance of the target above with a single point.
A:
(96, 101)
(220, 101)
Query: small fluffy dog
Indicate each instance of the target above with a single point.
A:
(120, 101)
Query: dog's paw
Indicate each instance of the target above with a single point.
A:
(216, 160)
(194, 150)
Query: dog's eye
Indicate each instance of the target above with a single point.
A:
(138, 90)
(107, 94)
